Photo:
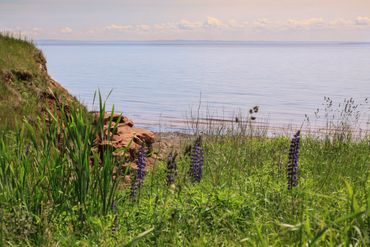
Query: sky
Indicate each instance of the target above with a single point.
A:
(270, 20)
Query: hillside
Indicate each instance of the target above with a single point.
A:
(26, 89)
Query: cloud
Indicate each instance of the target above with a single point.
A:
(362, 21)
(209, 23)
(213, 22)
(234, 24)
(26, 32)
(143, 27)
(37, 29)
(66, 30)
(263, 23)
(340, 23)
(311, 23)
(188, 25)
(211, 28)
(167, 27)
(118, 27)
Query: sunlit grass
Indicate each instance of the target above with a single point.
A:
(53, 193)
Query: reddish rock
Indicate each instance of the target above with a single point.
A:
(124, 141)
(122, 135)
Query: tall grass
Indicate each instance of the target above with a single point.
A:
(58, 190)
(243, 198)
(55, 165)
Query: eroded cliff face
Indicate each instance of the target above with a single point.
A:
(26, 89)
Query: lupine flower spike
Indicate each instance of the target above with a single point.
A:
(171, 168)
(197, 160)
(139, 178)
(292, 167)
(115, 224)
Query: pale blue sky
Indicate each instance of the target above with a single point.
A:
(191, 19)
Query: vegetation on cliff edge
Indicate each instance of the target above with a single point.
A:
(26, 90)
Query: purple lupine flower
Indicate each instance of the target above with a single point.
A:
(171, 168)
(115, 223)
(134, 189)
(197, 160)
(140, 173)
(292, 167)
(140, 165)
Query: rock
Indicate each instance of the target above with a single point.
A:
(41, 61)
(122, 135)
(165, 143)
(124, 141)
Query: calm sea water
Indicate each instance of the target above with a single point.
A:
(158, 83)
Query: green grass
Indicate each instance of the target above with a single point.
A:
(17, 53)
(53, 193)
(25, 86)
(243, 198)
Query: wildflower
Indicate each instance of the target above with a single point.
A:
(171, 168)
(197, 160)
(139, 178)
(292, 167)
(140, 166)
(134, 189)
(115, 223)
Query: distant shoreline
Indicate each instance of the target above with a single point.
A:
(199, 42)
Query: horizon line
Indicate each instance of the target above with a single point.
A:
(196, 41)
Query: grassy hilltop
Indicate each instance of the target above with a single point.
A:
(26, 89)
(57, 188)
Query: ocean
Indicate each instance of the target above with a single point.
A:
(158, 83)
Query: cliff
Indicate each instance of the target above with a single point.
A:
(26, 89)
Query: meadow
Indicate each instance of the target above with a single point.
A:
(57, 191)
